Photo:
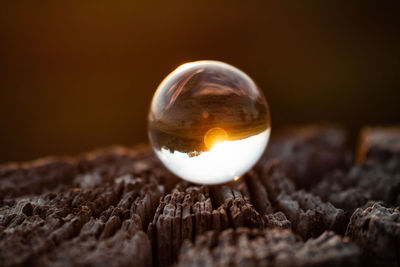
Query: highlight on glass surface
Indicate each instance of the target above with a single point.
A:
(208, 122)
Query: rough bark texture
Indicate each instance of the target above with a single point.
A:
(121, 207)
(309, 152)
(376, 229)
(252, 247)
(375, 177)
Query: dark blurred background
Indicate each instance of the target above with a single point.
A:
(78, 75)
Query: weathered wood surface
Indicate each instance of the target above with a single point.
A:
(304, 204)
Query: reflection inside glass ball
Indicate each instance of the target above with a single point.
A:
(208, 122)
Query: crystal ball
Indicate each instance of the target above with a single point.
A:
(208, 122)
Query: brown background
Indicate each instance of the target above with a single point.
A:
(78, 75)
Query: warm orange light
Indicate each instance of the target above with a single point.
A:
(215, 136)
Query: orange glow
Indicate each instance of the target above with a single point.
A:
(215, 136)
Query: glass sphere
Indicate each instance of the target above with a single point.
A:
(208, 122)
